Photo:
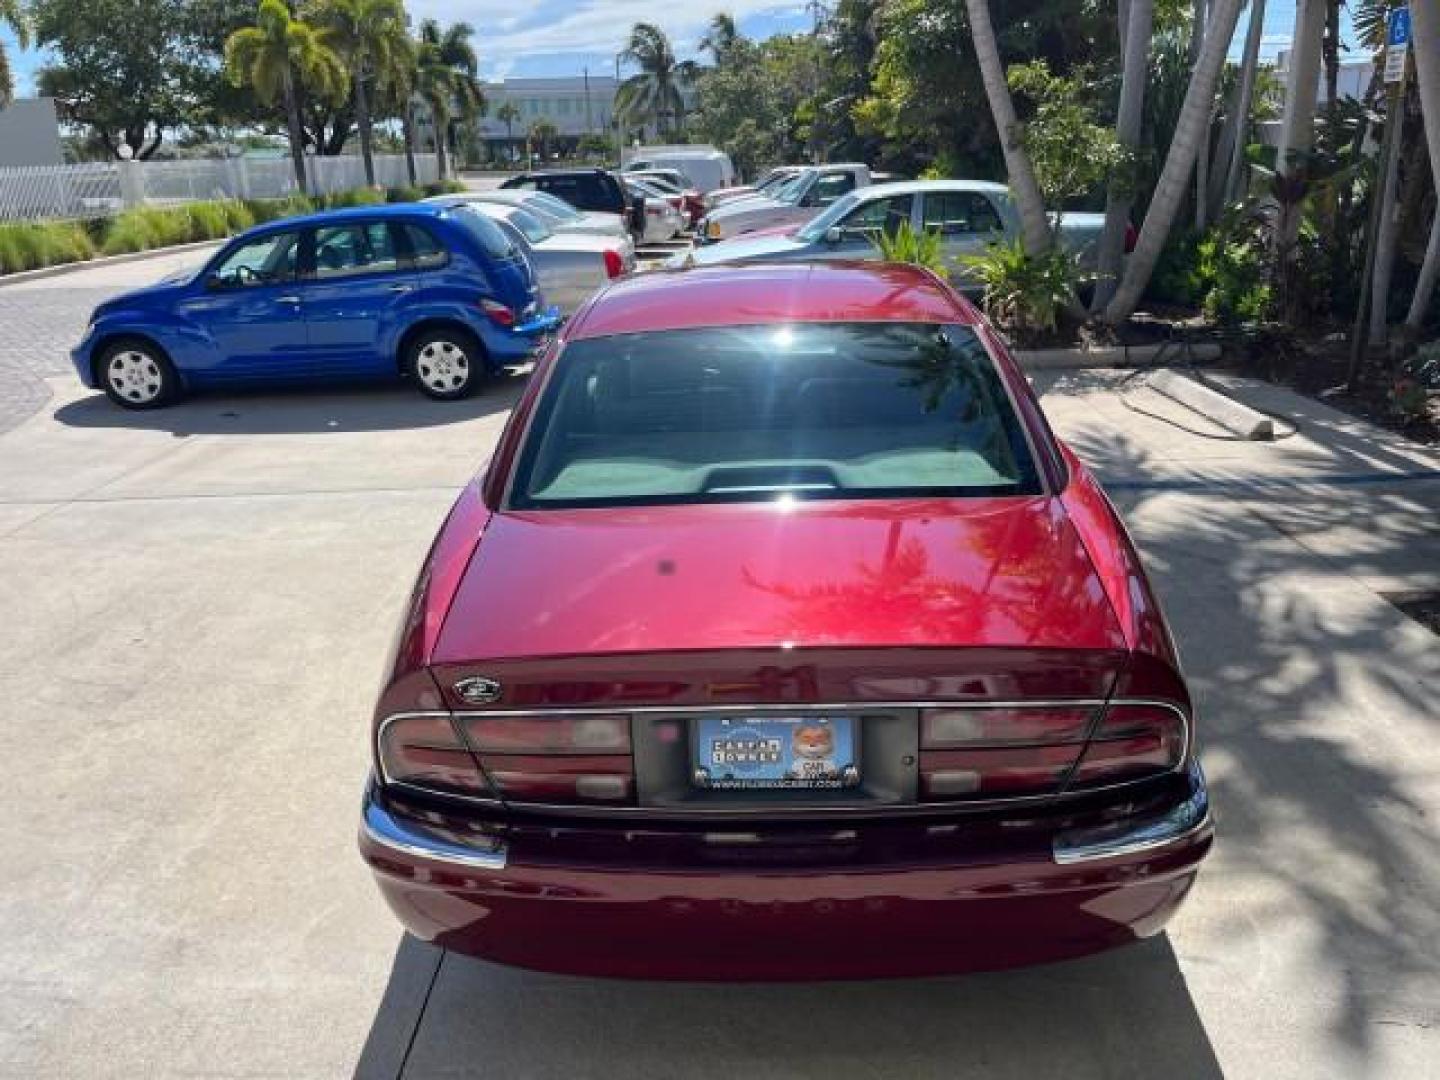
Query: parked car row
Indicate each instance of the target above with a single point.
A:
(835, 212)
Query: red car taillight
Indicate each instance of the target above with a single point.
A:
(1132, 742)
(614, 264)
(499, 314)
(1003, 752)
(582, 758)
(425, 752)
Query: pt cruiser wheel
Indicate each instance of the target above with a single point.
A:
(446, 363)
(136, 375)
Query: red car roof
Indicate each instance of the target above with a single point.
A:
(771, 293)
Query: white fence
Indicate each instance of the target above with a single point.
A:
(91, 191)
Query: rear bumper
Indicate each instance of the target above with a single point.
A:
(910, 898)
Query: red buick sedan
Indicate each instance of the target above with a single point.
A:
(782, 639)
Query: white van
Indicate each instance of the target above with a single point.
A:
(706, 167)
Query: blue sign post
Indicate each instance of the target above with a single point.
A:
(1397, 44)
(1399, 30)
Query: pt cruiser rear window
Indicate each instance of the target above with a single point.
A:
(755, 413)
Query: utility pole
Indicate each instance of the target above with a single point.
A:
(589, 120)
(615, 115)
(1395, 64)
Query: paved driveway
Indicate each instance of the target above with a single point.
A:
(197, 603)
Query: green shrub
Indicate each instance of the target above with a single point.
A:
(404, 194)
(444, 187)
(1024, 294)
(1231, 270)
(907, 246)
(238, 215)
(354, 197)
(126, 234)
(31, 245)
(1177, 272)
(208, 221)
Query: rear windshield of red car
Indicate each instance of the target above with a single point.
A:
(755, 413)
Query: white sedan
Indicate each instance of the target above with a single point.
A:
(569, 267)
(664, 218)
(556, 213)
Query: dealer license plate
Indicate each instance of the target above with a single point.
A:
(752, 753)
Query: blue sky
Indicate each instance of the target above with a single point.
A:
(561, 37)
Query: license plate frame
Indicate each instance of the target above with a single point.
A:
(759, 752)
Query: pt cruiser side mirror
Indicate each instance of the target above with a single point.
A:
(834, 234)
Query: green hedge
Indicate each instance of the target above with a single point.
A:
(32, 245)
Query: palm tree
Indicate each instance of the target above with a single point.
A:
(655, 93)
(278, 57)
(542, 132)
(1425, 31)
(13, 16)
(372, 38)
(1035, 228)
(719, 40)
(507, 114)
(1297, 129)
(1244, 102)
(1190, 134)
(1120, 198)
(447, 79)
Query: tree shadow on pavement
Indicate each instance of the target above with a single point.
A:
(385, 406)
(1317, 714)
(1121, 1014)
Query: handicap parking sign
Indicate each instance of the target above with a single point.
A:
(1397, 45)
(1399, 32)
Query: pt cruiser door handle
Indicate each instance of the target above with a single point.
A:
(401, 288)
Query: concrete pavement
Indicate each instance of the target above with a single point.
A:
(197, 604)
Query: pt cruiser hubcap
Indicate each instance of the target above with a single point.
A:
(443, 366)
(135, 376)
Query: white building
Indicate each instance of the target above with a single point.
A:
(576, 105)
(30, 133)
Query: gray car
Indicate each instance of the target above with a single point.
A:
(968, 214)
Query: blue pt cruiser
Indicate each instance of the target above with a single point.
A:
(436, 293)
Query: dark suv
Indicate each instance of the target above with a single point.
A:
(586, 189)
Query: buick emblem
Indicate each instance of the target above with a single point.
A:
(479, 690)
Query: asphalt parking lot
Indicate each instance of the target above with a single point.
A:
(197, 604)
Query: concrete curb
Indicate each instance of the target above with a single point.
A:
(1216, 407)
(104, 260)
(1111, 356)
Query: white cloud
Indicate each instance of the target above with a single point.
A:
(581, 27)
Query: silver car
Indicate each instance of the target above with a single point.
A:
(556, 213)
(967, 215)
(569, 267)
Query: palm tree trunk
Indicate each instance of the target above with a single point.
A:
(1245, 99)
(407, 133)
(1179, 162)
(362, 115)
(1297, 130)
(1035, 227)
(1389, 227)
(441, 162)
(1425, 27)
(1120, 198)
(1425, 287)
(1425, 32)
(297, 136)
